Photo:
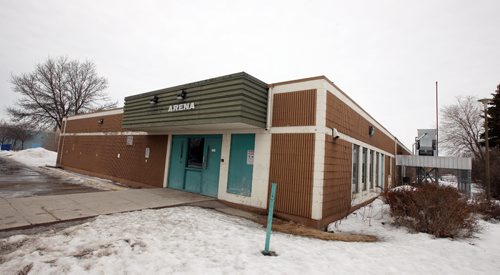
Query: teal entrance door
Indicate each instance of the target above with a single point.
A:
(241, 164)
(195, 164)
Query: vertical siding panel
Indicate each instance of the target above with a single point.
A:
(294, 108)
(337, 178)
(98, 154)
(347, 121)
(292, 160)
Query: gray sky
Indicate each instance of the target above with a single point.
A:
(386, 55)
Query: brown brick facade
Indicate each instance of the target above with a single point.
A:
(402, 151)
(294, 108)
(110, 123)
(349, 122)
(291, 168)
(109, 156)
(99, 155)
(337, 179)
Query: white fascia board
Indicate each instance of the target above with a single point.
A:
(342, 136)
(126, 133)
(299, 86)
(353, 105)
(97, 114)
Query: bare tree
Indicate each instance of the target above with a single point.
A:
(58, 88)
(4, 132)
(14, 133)
(22, 133)
(461, 124)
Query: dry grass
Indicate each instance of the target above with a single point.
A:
(300, 230)
(292, 228)
(487, 209)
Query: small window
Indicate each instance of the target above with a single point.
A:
(382, 170)
(195, 152)
(364, 168)
(372, 164)
(355, 165)
(377, 170)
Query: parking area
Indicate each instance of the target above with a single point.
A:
(18, 180)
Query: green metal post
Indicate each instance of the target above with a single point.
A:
(270, 220)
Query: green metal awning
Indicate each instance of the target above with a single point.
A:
(232, 101)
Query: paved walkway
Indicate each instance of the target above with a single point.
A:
(29, 211)
(18, 180)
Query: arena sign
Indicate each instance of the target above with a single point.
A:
(181, 107)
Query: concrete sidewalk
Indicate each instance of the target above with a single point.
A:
(29, 211)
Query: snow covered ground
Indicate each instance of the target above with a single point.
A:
(190, 240)
(32, 157)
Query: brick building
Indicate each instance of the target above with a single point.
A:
(230, 137)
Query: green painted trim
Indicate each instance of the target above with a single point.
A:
(163, 127)
(205, 82)
(228, 99)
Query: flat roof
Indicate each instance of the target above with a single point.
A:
(434, 162)
(201, 83)
(322, 77)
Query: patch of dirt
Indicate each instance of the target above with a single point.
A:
(25, 269)
(86, 253)
(136, 244)
(287, 227)
(300, 230)
(8, 247)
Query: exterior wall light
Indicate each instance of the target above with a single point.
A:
(371, 130)
(153, 100)
(100, 121)
(181, 95)
(335, 133)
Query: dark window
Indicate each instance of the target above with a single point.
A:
(377, 169)
(364, 168)
(355, 165)
(372, 164)
(195, 152)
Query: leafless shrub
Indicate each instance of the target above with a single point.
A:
(438, 210)
(487, 209)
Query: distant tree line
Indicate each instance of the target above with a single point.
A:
(15, 134)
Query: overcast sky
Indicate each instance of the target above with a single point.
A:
(386, 55)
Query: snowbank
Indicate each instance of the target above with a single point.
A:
(404, 188)
(199, 241)
(32, 157)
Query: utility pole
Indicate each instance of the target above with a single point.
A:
(437, 122)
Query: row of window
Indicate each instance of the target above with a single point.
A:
(370, 165)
